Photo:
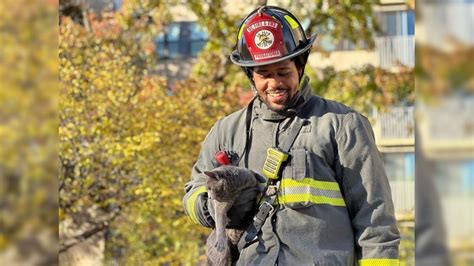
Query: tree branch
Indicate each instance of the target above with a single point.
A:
(89, 233)
(83, 237)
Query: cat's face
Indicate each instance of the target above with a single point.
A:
(226, 182)
(217, 182)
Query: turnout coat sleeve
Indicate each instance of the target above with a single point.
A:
(366, 192)
(227, 134)
(195, 199)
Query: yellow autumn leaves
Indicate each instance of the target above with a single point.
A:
(128, 142)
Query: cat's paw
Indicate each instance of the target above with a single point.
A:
(220, 245)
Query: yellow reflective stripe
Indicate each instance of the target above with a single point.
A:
(191, 203)
(298, 198)
(240, 32)
(291, 21)
(379, 262)
(286, 182)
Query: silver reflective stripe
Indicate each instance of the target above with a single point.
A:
(310, 191)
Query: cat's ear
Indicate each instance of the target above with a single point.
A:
(211, 175)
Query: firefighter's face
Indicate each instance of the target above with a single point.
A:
(276, 84)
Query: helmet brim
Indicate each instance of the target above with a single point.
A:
(235, 58)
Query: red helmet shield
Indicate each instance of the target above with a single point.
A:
(264, 36)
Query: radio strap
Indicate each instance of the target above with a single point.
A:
(250, 235)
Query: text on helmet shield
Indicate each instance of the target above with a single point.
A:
(265, 23)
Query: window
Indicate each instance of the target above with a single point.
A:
(327, 44)
(396, 23)
(400, 166)
(455, 178)
(198, 38)
(117, 4)
(181, 40)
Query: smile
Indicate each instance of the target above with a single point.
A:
(278, 96)
(276, 92)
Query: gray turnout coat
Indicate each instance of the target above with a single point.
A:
(334, 200)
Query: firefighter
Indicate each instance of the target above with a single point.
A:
(327, 198)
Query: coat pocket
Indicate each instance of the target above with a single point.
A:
(300, 188)
(297, 165)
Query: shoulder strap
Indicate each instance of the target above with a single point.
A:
(290, 139)
(248, 124)
(299, 123)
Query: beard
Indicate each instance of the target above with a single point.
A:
(277, 99)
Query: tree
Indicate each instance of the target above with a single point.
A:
(368, 88)
(28, 132)
(340, 20)
(440, 73)
(128, 143)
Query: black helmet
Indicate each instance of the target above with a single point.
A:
(269, 35)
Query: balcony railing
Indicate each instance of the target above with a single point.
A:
(396, 127)
(403, 195)
(394, 51)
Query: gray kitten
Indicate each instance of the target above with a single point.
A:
(224, 185)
